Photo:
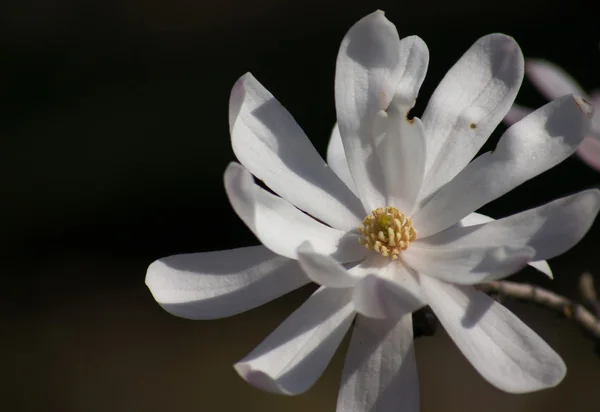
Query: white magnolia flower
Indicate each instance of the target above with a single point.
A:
(553, 82)
(413, 186)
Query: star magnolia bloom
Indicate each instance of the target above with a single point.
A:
(413, 186)
(553, 82)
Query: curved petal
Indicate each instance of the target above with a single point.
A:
(370, 65)
(224, 283)
(468, 104)
(323, 269)
(336, 159)
(295, 355)
(477, 218)
(549, 230)
(516, 113)
(505, 351)
(402, 149)
(380, 372)
(391, 291)
(280, 226)
(552, 81)
(535, 144)
(589, 152)
(269, 143)
(467, 265)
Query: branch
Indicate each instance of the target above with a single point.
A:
(588, 292)
(568, 308)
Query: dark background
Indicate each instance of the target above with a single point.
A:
(113, 141)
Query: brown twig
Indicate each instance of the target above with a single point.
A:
(588, 292)
(568, 308)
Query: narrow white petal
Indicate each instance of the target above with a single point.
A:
(505, 351)
(323, 269)
(295, 355)
(535, 144)
(391, 291)
(336, 159)
(402, 149)
(380, 372)
(467, 265)
(269, 143)
(468, 104)
(551, 80)
(367, 69)
(477, 218)
(219, 284)
(549, 230)
(516, 113)
(589, 151)
(280, 226)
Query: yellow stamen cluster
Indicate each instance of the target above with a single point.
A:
(387, 231)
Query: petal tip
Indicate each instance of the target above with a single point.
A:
(259, 379)
(586, 106)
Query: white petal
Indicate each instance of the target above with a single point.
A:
(269, 143)
(280, 226)
(365, 79)
(380, 372)
(467, 265)
(589, 151)
(322, 269)
(516, 113)
(295, 355)
(549, 230)
(219, 284)
(468, 104)
(477, 218)
(402, 150)
(505, 351)
(551, 80)
(389, 291)
(336, 159)
(535, 144)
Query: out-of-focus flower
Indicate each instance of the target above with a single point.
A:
(388, 225)
(553, 82)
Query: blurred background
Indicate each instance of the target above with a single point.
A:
(113, 142)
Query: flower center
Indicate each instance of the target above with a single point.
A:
(387, 231)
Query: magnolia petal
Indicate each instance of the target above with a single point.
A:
(535, 144)
(280, 226)
(505, 351)
(467, 265)
(224, 283)
(516, 113)
(477, 218)
(269, 143)
(402, 150)
(468, 104)
(391, 291)
(295, 354)
(365, 80)
(380, 371)
(336, 159)
(323, 269)
(403, 156)
(549, 230)
(552, 81)
(589, 152)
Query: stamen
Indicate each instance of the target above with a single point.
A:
(387, 231)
